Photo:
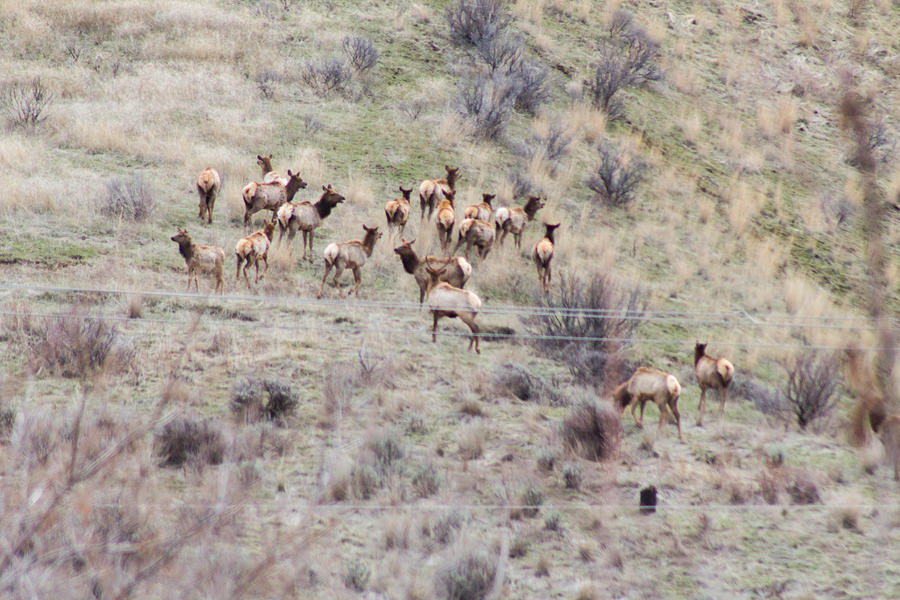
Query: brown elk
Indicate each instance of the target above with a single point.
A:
(483, 210)
(455, 270)
(873, 409)
(205, 259)
(253, 248)
(445, 300)
(306, 217)
(478, 233)
(513, 219)
(446, 217)
(269, 196)
(712, 373)
(268, 173)
(432, 191)
(349, 255)
(543, 254)
(650, 385)
(396, 212)
(208, 184)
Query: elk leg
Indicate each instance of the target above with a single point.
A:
(310, 246)
(237, 273)
(265, 258)
(434, 327)
(722, 392)
(700, 408)
(634, 404)
(357, 278)
(475, 331)
(338, 270)
(673, 405)
(324, 277)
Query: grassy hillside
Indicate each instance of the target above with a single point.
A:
(402, 468)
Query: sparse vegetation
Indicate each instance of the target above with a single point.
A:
(811, 386)
(593, 431)
(26, 105)
(617, 175)
(128, 198)
(253, 398)
(186, 441)
(468, 576)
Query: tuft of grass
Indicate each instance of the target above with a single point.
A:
(127, 198)
(426, 480)
(254, 399)
(467, 576)
(573, 475)
(471, 440)
(592, 430)
(188, 441)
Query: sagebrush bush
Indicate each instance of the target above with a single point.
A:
(388, 450)
(356, 574)
(619, 65)
(501, 52)
(573, 475)
(445, 526)
(592, 430)
(811, 386)
(266, 81)
(254, 399)
(26, 105)
(617, 175)
(531, 83)
(426, 480)
(487, 102)
(468, 576)
(477, 22)
(326, 76)
(587, 324)
(360, 52)
(187, 441)
(127, 198)
(532, 500)
(551, 145)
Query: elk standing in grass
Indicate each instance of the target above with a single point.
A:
(432, 191)
(206, 259)
(446, 217)
(268, 173)
(483, 210)
(269, 196)
(396, 212)
(712, 373)
(455, 270)
(349, 255)
(543, 254)
(873, 409)
(650, 385)
(208, 184)
(478, 233)
(445, 300)
(513, 219)
(306, 217)
(253, 248)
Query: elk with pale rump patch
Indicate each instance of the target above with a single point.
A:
(712, 373)
(646, 385)
(445, 300)
(543, 254)
(446, 217)
(483, 210)
(306, 217)
(478, 233)
(349, 255)
(268, 173)
(269, 196)
(201, 259)
(513, 219)
(396, 212)
(253, 248)
(208, 184)
(455, 270)
(432, 191)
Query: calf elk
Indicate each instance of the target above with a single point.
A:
(306, 217)
(483, 210)
(478, 233)
(446, 217)
(543, 254)
(445, 300)
(513, 220)
(432, 191)
(712, 373)
(208, 184)
(269, 196)
(253, 248)
(455, 270)
(650, 384)
(396, 212)
(206, 259)
(349, 255)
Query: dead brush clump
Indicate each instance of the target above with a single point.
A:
(802, 487)
(185, 441)
(516, 380)
(254, 399)
(467, 575)
(127, 198)
(443, 527)
(592, 431)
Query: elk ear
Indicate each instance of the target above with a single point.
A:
(289, 173)
(324, 188)
(259, 158)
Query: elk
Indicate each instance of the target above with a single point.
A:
(650, 384)
(306, 217)
(873, 408)
(432, 191)
(270, 196)
(543, 254)
(712, 373)
(513, 219)
(205, 259)
(349, 255)
(478, 233)
(396, 212)
(208, 184)
(268, 173)
(253, 248)
(455, 271)
(445, 300)
(483, 210)
(446, 217)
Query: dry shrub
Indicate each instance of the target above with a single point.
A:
(360, 52)
(592, 430)
(187, 441)
(617, 175)
(477, 22)
(356, 574)
(628, 62)
(811, 386)
(426, 480)
(254, 399)
(802, 487)
(573, 475)
(127, 198)
(467, 576)
(471, 440)
(26, 105)
(444, 527)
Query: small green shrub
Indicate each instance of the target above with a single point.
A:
(356, 575)
(426, 480)
(254, 399)
(469, 576)
(186, 441)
